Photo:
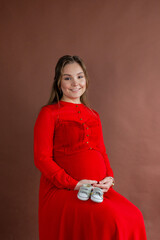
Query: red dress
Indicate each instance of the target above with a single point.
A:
(68, 147)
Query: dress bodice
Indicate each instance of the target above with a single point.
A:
(77, 128)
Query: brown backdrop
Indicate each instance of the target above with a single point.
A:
(119, 42)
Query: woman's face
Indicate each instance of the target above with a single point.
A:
(73, 82)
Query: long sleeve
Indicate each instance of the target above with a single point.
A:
(43, 151)
(103, 150)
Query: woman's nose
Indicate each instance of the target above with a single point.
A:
(74, 81)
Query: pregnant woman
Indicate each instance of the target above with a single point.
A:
(76, 196)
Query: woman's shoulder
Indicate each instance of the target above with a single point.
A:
(93, 112)
(50, 107)
(48, 110)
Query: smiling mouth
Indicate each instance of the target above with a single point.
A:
(75, 90)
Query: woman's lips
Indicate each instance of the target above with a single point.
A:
(75, 90)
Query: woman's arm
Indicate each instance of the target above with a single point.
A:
(43, 151)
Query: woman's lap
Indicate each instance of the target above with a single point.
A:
(63, 216)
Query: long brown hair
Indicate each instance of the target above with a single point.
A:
(56, 92)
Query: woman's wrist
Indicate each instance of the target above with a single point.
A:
(113, 181)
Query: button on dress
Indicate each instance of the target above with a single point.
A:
(69, 147)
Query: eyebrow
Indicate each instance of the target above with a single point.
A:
(70, 74)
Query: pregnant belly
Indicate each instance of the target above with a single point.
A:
(87, 164)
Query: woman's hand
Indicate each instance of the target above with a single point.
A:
(105, 184)
(81, 182)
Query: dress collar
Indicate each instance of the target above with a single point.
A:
(70, 103)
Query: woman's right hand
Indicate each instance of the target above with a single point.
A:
(83, 181)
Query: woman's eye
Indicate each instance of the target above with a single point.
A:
(68, 78)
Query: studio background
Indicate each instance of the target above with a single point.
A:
(119, 43)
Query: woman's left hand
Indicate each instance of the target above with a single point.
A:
(104, 184)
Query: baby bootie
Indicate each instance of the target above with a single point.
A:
(85, 192)
(97, 195)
